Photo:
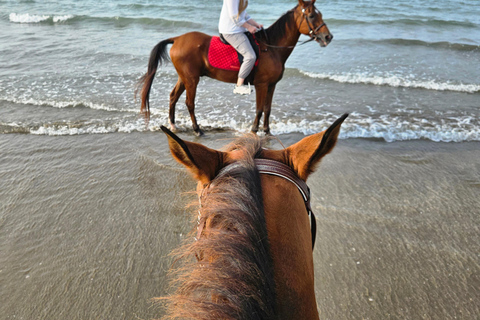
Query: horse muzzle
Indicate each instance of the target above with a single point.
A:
(323, 40)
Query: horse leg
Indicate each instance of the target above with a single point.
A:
(261, 92)
(174, 96)
(267, 108)
(146, 117)
(191, 87)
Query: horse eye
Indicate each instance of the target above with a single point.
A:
(311, 16)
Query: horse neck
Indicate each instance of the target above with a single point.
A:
(284, 34)
(291, 250)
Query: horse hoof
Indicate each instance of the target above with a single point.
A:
(267, 132)
(199, 133)
(173, 127)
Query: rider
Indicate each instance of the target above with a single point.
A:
(234, 22)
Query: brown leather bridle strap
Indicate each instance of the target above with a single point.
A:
(271, 167)
(279, 169)
(313, 31)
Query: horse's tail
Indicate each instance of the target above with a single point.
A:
(157, 56)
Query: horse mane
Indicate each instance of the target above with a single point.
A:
(277, 30)
(228, 272)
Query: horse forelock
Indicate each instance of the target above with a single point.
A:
(249, 144)
(233, 277)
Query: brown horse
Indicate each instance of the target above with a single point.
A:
(251, 257)
(189, 56)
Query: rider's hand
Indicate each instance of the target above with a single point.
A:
(252, 29)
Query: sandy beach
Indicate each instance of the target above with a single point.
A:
(88, 221)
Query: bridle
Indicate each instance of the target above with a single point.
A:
(312, 31)
(270, 167)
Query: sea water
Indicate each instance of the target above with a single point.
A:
(404, 70)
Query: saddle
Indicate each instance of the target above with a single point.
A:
(222, 55)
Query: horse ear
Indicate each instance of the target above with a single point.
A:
(304, 155)
(201, 161)
(306, 3)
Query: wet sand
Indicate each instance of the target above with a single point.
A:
(87, 222)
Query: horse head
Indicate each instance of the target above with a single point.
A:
(253, 243)
(310, 22)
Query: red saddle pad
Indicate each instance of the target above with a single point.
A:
(222, 56)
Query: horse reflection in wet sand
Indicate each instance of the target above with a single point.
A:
(189, 55)
(250, 254)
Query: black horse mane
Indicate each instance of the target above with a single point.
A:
(277, 30)
(228, 272)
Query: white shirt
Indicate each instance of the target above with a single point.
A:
(230, 22)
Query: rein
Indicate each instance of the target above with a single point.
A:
(270, 167)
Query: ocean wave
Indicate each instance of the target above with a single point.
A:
(434, 45)
(33, 18)
(13, 128)
(394, 81)
(67, 104)
(69, 128)
(431, 22)
(116, 20)
(403, 21)
(139, 6)
(388, 128)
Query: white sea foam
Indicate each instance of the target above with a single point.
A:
(34, 18)
(27, 18)
(390, 130)
(394, 81)
(69, 131)
(68, 104)
(439, 126)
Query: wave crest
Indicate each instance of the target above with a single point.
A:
(395, 81)
(435, 45)
(118, 21)
(33, 18)
(404, 21)
(388, 128)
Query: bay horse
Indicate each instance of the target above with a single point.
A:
(250, 253)
(189, 55)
